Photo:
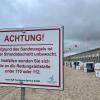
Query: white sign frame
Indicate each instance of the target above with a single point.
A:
(60, 32)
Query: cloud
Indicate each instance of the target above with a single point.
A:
(80, 18)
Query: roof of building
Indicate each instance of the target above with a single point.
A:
(92, 50)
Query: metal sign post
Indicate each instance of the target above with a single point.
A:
(22, 92)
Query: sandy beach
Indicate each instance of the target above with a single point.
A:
(78, 85)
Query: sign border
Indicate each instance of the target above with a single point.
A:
(60, 30)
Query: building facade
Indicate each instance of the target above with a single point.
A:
(87, 56)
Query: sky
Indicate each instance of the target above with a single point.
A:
(80, 18)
